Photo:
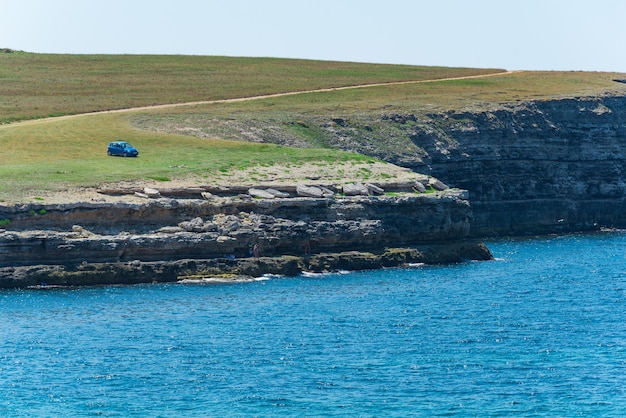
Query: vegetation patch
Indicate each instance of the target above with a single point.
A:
(216, 141)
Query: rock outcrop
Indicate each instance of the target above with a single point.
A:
(87, 242)
(541, 167)
(225, 269)
(531, 167)
(535, 167)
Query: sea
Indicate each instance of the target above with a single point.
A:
(539, 331)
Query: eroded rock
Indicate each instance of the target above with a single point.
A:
(261, 194)
(355, 189)
(166, 230)
(309, 191)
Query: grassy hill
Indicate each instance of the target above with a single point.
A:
(195, 142)
(41, 85)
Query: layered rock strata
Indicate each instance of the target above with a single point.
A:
(539, 167)
(165, 239)
(533, 167)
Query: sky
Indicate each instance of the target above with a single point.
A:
(560, 35)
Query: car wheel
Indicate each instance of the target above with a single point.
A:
(124, 155)
(109, 153)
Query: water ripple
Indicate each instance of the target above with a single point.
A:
(537, 332)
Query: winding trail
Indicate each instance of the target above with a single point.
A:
(250, 98)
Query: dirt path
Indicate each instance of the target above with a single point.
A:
(245, 99)
(276, 175)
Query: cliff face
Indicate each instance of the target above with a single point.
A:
(530, 168)
(538, 167)
(164, 239)
(173, 229)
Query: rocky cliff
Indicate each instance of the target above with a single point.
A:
(530, 167)
(166, 238)
(538, 167)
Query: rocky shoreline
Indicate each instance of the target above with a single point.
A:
(202, 232)
(229, 270)
(532, 167)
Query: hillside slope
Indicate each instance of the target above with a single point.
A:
(42, 85)
(538, 151)
(541, 157)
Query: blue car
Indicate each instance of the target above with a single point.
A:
(123, 149)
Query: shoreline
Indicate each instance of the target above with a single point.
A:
(148, 238)
(222, 270)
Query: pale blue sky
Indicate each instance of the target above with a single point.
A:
(512, 34)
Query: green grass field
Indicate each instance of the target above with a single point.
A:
(41, 85)
(53, 154)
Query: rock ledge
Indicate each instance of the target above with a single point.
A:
(168, 239)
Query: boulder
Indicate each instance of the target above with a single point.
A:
(327, 192)
(419, 187)
(374, 189)
(261, 194)
(277, 193)
(151, 193)
(437, 184)
(309, 191)
(357, 189)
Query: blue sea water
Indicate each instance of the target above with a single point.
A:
(540, 331)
